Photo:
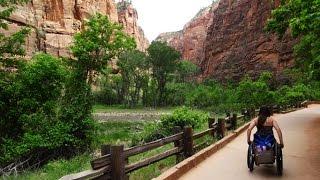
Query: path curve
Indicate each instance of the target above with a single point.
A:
(301, 131)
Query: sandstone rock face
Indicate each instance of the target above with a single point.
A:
(227, 40)
(54, 22)
(237, 44)
(190, 41)
(128, 17)
(194, 35)
(174, 39)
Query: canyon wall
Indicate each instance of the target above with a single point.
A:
(227, 40)
(237, 44)
(53, 23)
(128, 17)
(191, 40)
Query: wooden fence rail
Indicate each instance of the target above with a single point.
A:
(113, 163)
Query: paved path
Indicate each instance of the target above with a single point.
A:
(301, 130)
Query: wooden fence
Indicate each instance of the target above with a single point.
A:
(113, 163)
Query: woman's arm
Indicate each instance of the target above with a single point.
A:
(276, 126)
(252, 125)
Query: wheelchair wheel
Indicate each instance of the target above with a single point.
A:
(279, 160)
(250, 157)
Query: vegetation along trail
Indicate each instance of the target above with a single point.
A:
(301, 152)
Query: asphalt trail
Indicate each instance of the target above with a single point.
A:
(301, 131)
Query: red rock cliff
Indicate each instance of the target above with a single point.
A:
(237, 44)
(174, 39)
(227, 40)
(128, 17)
(54, 22)
(190, 41)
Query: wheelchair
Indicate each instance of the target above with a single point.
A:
(265, 150)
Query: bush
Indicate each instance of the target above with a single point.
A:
(315, 90)
(37, 91)
(255, 93)
(205, 96)
(180, 117)
(176, 93)
(151, 132)
(298, 93)
(183, 117)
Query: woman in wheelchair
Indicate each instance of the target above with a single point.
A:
(265, 149)
(264, 137)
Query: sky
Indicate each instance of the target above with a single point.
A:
(158, 16)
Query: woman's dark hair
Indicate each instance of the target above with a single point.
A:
(264, 113)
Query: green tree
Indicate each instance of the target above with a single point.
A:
(11, 50)
(186, 70)
(254, 94)
(303, 19)
(99, 42)
(133, 68)
(13, 44)
(177, 93)
(205, 96)
(163, 61)
(31, 125)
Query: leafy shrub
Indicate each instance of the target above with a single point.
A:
(186, 71)
(38, 88)
(205, 96)
(149, 96)
(315, 90)
(255, 93)
(176, 93)
(151, 132)
(298, 93)
(180, 117)
(183, 117)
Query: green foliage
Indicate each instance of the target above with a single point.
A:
(163, 61)
(133, 68)
(98, 43)
(107, 95)
(75, 111)
(255, 93)
(151, 132)
(149, 96)
(32, 110)
(295, 94)
(303, 18)
(315, 90)
(180, 117)
(205, 96)
(186, 70)
(183, 117)
(176, 93)
(11, 45)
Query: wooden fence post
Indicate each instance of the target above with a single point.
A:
(246, 115)
(178, 143)
(221, 128)
(187, 141)
(105, 149)
(117, 162)
(252, 113)
(234, 121)
(211, 120)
